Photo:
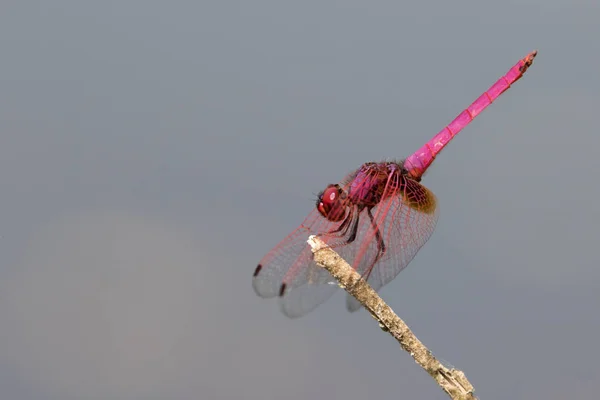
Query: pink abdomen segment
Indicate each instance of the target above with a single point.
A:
(418, 162)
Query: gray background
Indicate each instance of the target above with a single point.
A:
(151, 152)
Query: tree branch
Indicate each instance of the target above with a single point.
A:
(452, 381)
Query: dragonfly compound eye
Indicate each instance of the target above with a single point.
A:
(331, 203)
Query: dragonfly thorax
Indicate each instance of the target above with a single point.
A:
(368, 186)
(364, 188)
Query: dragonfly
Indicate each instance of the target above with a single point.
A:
(377, 218)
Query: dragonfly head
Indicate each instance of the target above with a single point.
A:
(331, 203)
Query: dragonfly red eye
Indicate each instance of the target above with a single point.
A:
(331, 205)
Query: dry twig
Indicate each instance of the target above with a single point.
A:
(452, 381)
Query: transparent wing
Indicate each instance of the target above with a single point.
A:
(406, 218)
(288, 271)
(302, 299)
(291, 260)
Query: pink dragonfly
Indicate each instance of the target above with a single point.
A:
(377, 219)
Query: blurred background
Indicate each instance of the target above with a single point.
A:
(152, 152)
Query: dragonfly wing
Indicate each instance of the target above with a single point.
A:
(307, 284)
(352, 304)
(405, 221)
(290, 261)
(301, 299)
(288, 271)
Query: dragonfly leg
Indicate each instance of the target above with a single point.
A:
(354, 230)
(380, 242)
(380, 245)
(343, 228)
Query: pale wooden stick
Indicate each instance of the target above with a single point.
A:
(452, 381)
